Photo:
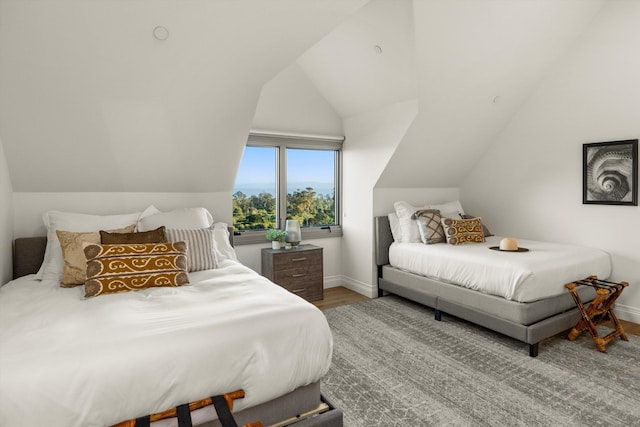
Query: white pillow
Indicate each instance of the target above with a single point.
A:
(410, 233)
(185, 218)
(53, 264)
(150, 210)
(223, 249)
(451, 210)
(394, 223)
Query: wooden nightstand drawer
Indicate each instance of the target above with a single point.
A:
(298, 270)
(308, 291)
(296, 259)
(298, 276)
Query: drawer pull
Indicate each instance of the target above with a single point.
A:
(298, 259)
(297, 291)
(298, 275)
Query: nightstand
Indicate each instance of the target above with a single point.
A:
(299, 270)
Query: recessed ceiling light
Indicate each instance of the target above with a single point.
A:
(377, 48)
(160, 33)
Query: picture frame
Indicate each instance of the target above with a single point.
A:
(610, 173)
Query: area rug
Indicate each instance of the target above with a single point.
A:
(394, 365)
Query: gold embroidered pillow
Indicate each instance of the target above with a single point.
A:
(121, 268)
(461, 231)
(75, 264)
(429, 225)
(485, 230)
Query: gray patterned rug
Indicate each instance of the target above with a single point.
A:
(394, 365)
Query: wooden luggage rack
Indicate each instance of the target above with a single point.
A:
(223, 405)
(606, 294)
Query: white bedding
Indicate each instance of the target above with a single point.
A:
(523, 276)
(69, 361)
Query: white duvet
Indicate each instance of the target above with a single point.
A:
(520, 276)
(69, 361)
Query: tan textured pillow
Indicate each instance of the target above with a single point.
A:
(429, 225)
(121, 268)
(153, 236)
(461, 231)
(75, 264)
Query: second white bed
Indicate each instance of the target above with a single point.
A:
(529, 276)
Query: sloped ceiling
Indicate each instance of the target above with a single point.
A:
(291, 103)
(477, 61)
(368, 61)
(470, 64)
(91, 101)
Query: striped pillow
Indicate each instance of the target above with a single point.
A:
(200, 245)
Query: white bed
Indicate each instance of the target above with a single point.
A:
(66, 360)
(529, 276)
(504, 292)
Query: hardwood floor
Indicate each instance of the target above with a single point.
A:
(629, 328)
(335, 297)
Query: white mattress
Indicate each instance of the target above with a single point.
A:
(523, 276)
(69, 361)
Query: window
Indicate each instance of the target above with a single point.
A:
(254, 195)
(285, 177)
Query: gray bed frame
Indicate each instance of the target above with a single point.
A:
(28, 254)
(528, 322)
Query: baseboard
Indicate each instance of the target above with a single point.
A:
(332, 281)
(359, 287)
(628, 313)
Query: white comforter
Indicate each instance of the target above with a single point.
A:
(69, 361)
(523, 276)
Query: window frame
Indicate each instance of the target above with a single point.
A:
(282, 141)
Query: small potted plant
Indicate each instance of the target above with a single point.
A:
(276, 236)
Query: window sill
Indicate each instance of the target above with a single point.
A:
(257, 237)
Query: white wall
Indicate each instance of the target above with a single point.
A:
(29, 207)
(371, 139)
(529, 184)
(291, 103)
(384, 198)
(6, 220)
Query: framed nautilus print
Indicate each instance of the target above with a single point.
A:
(610, 173)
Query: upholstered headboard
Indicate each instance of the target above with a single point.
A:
(384, 239)
(28, 254)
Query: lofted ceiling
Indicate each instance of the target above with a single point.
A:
(91, 101)
(477, 62)
(368, 62)
(470, 64)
